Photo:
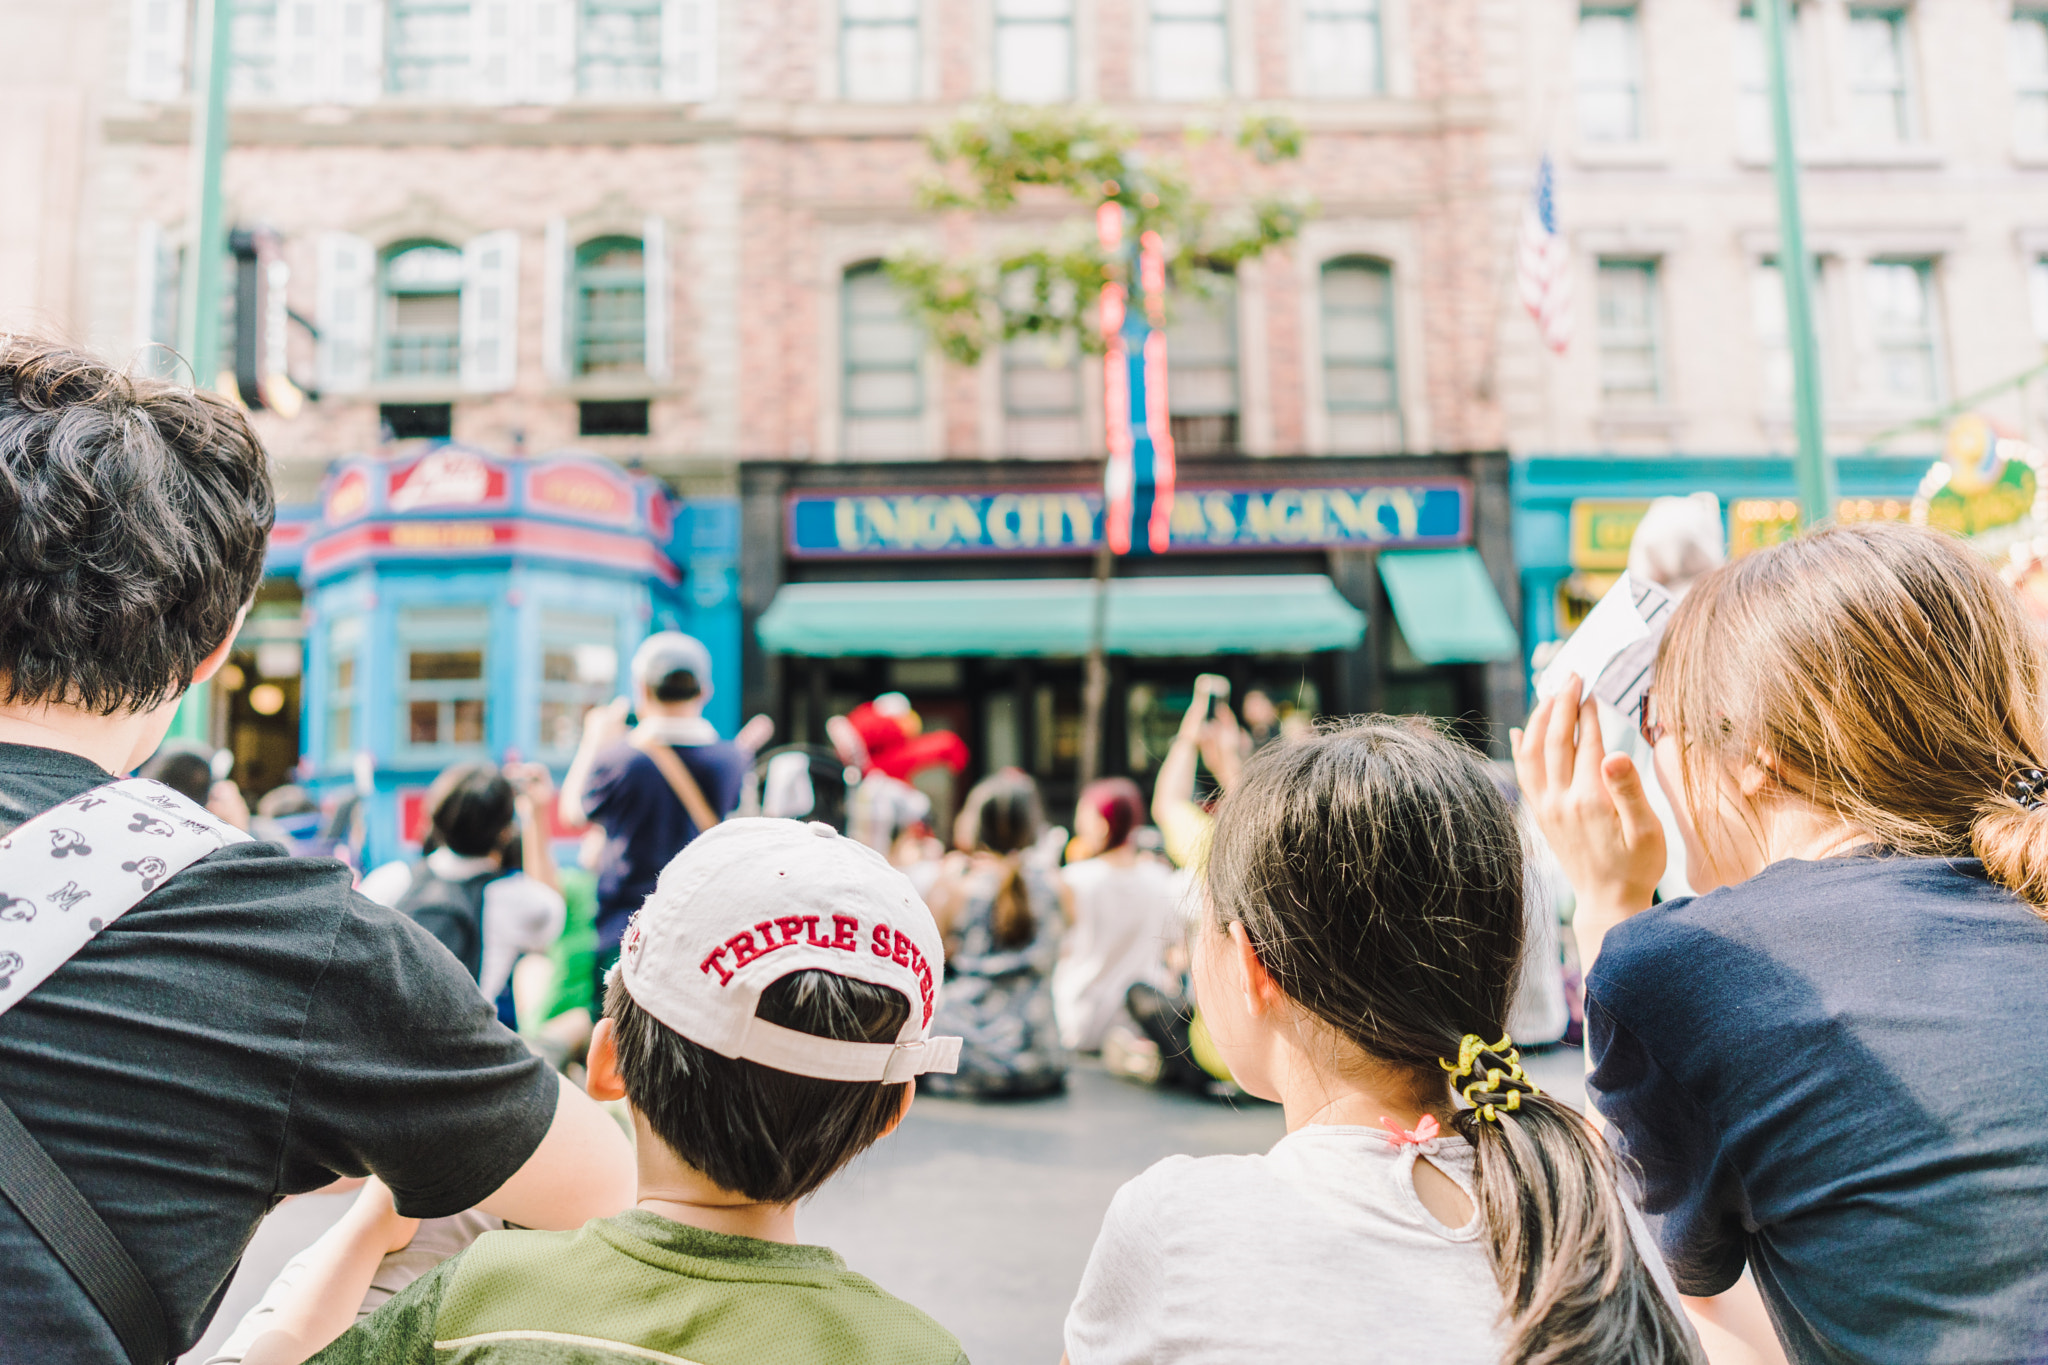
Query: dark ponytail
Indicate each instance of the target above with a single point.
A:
(1003, 816)
(1378, 874)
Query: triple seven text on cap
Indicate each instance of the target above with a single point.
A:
(886, 942)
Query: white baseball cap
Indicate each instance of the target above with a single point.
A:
(666, 651)
(751, 901)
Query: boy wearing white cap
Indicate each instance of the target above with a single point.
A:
(771, 1006)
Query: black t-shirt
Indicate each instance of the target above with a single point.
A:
(644, 821)
(251, 1029)
(1832, 1072)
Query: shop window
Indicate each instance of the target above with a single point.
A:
(1201, 353)
(1360, 383)
(1880, 103)
(618, 48)
(1630, 360)
(1753, 80)
(429, 48)
(1607, 68)
(416, 421)
(878, 50)
(344, 666)
(252, 72)
(442, 692)
(610, 309)
(882, 354)
(422, 313)
(612, 417)
(1341, 48)
(2027, 57)
(1034, 51)
(579, 669)
(1898, 297)
(1767, 307)
(1190, 49)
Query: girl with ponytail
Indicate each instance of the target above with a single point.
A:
(1356, 960)
(1822, 1065)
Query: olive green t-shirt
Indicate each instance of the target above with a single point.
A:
(638, 1288)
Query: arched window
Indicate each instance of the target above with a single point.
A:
(609, 306)
(881, 391)
(1360, 384)
(1201, 353)
(421, 318)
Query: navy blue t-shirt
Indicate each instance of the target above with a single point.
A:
(1833, 1072)
(645, 824)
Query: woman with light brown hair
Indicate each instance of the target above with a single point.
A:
(1820, 1067)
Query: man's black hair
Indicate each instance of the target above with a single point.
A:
(770, 1135)
(133, 520)
(472, 809)
(181, 770)
(676, 685)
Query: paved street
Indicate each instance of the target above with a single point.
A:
(981, 1214)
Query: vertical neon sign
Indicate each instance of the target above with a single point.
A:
(1138, 477)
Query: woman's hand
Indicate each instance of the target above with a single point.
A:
(1590, 806)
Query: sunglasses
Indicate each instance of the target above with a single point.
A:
(1648, 722)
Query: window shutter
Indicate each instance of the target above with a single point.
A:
(354, 43)
(654, 252)
(348, 297)
(156, 49)
(496, 46)
(689, 32)
(555, 303)
(302, 52)
(490, 312)
(551, 41)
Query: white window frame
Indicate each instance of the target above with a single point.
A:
(1156, 21)
(1314, 16)
(463, 84)
(1611, 342)
(1005, 22)
(1879, 347)
(849, 23)
(1902, 93)
(442, 628)
(2029, 88)
(1390, 317)
(1633, 82)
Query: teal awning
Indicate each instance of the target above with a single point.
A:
(1447, 607)
(1013, 618)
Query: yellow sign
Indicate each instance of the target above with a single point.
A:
(1602, 530)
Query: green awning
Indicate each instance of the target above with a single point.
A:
(1012, 618)
(1447, 608)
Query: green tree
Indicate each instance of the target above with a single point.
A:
(1048, 288)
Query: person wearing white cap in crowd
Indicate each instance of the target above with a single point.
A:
(635, 783)
(771, 1007)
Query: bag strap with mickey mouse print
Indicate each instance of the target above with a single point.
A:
(64, 876)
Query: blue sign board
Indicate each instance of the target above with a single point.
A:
(1069, 520)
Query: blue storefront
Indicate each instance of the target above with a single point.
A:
(459, 605)
(1573, 515)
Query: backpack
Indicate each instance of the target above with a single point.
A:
(452, 911)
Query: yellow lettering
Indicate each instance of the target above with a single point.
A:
(846, 523)
(1258, 516)
(1077, 524)
(1222, 520)
(1001, 509)
(1315, 524)
(1187, 517)
(1371, 504)
(1031, 521)
(961, 522)
(1407, 512)
(882, 520)
(1345, 507)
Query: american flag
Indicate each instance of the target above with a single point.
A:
(1543, 263)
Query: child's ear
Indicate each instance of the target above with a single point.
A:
(602, 1064)
(1261, 993)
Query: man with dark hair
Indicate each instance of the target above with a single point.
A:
(245, 1028)
(768, 1017)
(617, 780)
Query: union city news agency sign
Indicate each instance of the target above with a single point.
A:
(1069, 520)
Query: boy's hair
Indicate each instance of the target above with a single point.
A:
(676, 685)
(1377, 871)
(471, 806)
(770, 1135)
(133, 520)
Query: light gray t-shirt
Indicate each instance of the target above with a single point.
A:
(1320, 1250)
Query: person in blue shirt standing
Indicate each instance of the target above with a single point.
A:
(1821, 1068)
(638, 785)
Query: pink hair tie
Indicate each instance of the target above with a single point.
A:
(1425, 1131)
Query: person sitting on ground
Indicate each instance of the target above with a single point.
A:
(1002, 911)
(251, 1028)
(1126, 914)
(1357, 954)
(772, 1003)
(1819, 1064)
(486, 887)
(654, 788)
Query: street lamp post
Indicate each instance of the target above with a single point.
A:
(199, 320)
(1815, 467)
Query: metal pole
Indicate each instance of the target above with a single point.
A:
(199, 310)
(1815, 467)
